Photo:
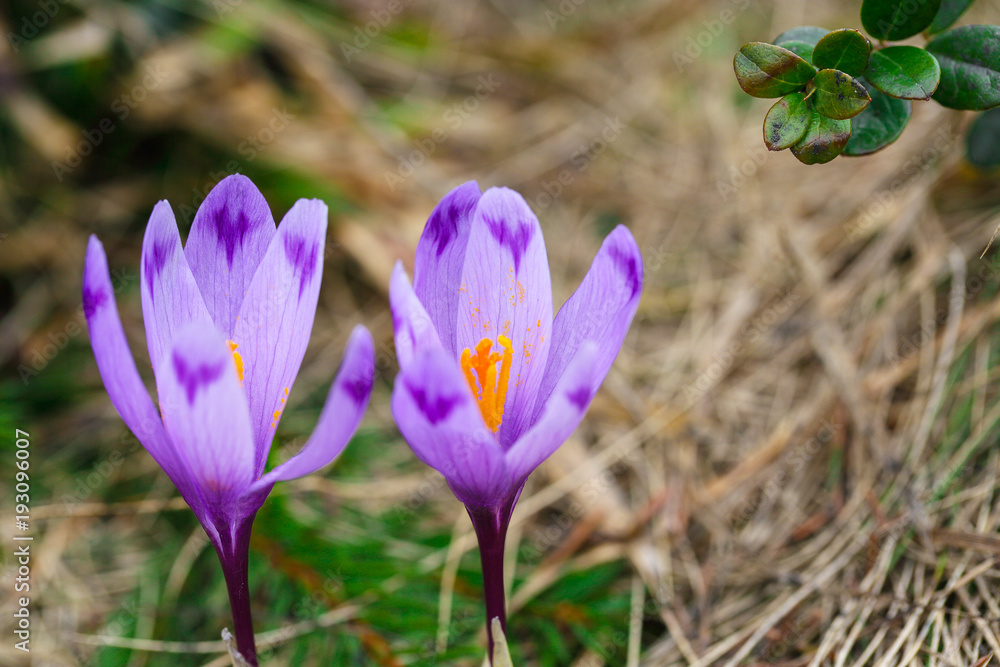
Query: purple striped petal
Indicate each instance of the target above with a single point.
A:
(414, 330)
(205, 412)
(600, 310)
(276, 318)
(229, 237)
(120, 376)
(506, 290)
(437, 270)
(345, 405)
(439, 418)
(562, 414)
(170, 297)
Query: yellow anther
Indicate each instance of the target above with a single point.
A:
(237, 359)
(489, 388)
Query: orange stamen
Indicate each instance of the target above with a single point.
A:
(237, 359)
(490, 390)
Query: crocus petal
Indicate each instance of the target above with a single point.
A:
(562, 414)
(276, 318)
(205, 412)
(119, 373)
(506, 290)
(414, 330)
(440, 257)
(229, 237)
(600, 310)
(170, 295)
(345, 404)
(439, 418)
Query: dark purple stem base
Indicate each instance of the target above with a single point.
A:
(491, 531)
(234, 554)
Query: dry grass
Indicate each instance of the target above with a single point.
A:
(797, 450)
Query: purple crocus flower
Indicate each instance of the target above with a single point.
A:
(227, 319)
(490, 384)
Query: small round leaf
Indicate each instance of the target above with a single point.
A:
(894, 20)
(766, 70)
(838, 96)
(802, 33)
(950, 11)
(801, 40)
(824, 139)
(982, 145)
(787, 121)
(907, 72)
(879, 125)
(809, 34)
(970, 67)
(803, 50)
(845, 50)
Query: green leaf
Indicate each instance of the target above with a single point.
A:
(809, 34)
(982, 144)
(787, 121)
(824, 139)
(803, 50)
(894, 20)
(880, 124)
(970, 67)
(801, 40)
(846, 50)
(907, 72)
(947, 15)
(766, 70)
(838, 96)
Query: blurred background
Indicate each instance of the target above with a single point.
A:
(794, 461)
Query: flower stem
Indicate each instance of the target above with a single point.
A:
(491, 530)
(234, 554)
